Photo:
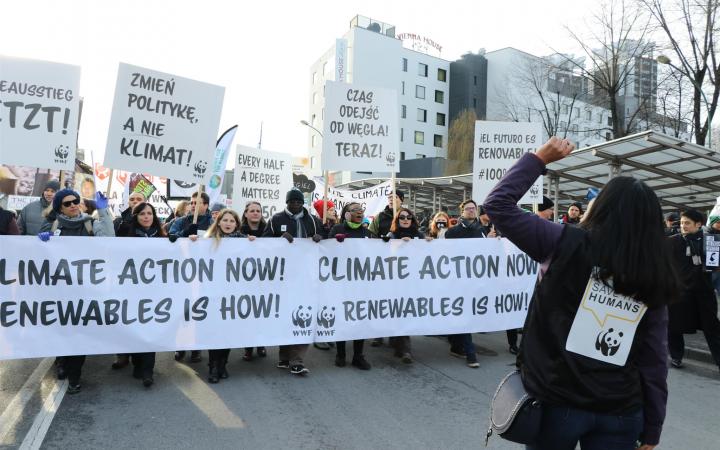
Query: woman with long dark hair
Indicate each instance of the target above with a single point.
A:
(594, 352)
(144, 223)
(253, 224)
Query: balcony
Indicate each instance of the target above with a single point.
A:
(373, 25)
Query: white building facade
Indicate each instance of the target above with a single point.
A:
(375, 57)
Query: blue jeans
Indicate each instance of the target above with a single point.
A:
(563, 427)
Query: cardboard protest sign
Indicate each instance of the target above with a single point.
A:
(360, 131)
(261, 176)
(373, 199)
(498, 145)
(163, 124)
(712, 251)
(39, 113)
(63, 297)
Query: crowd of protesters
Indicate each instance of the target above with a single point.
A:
(582, 241)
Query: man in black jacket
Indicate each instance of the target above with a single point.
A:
(294, 222)
(380, 226)
(122, 223)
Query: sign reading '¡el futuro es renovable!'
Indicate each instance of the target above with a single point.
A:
(163, 124)
(498, 145)
(39, 113)
(360, 129)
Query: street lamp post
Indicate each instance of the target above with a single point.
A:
(662, 59)
(325, 174)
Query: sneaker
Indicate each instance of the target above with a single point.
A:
(60, 372)
(361, 363)
(457, 354)
(73, 388)
(340, 360)
(677, 363)
(406, 358)
(195, 356)
(121, 361)
(248, 355)
(377, 342)
(299, 369)
(283, 364)
(514, 349)
(473, 364)
(321, 345)
(148, 381)
(179, 356)
(261, 352)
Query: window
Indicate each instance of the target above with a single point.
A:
(312, 120)
(402, 156)
(562, 126)
(608, 136)
(322, 114)
(565, 109)
(588, 115)
(420, 137)
(437, 140)
(422, 69)
(440, 120)
(403, 88)
(325, 68)
(314, 97)
(576, 112)
(421, 115)
(574, 128)
(419, 91)
(442, 75)
(609, 122)
(402, 134)
(474, 103)
(403, 112)
(404, 64)
(439, 97)
(312, 162)
(314, 77)
(475, 80)
(419, 155)
(312, 140)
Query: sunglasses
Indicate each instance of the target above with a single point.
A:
(67, 204)
(354, 210)
(404, 217)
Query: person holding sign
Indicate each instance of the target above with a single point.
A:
(698, 307)
(594, 352)
(405, 226)
(350, 226)
(184, 226)
(70, 221)
(380, 226)
(144, 223)
(714, 229)
(227, 225)
(295, 222)
(123, 223)
(253, 224)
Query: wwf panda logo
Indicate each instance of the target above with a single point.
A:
(390, 158)
(302, 317)
(608, 342)
(326, 317)
(200, 167)
(534, 190)
(62, 151)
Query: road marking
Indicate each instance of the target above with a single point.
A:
(36, 435)
(15, 408)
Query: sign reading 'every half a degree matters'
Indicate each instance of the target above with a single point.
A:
(360, 129)
(163, 125)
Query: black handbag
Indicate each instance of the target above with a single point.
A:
(514, 414)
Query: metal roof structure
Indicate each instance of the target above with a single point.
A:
(682, 174)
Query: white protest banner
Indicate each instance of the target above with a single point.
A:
(373, 199)
(498, 145)
(39, 113)
(65, 297)
(261, 176)
(163, 124)
(18, 202)
(360, 130)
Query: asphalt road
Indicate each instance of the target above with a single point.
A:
(436, 403)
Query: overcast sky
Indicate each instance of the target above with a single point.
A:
(261, 53)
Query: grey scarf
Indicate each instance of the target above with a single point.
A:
(300, 231)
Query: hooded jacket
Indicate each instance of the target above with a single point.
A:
(282, 223)
(31, 219)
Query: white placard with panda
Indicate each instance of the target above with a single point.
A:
(605, 324)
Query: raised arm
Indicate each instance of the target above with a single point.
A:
(532, 234)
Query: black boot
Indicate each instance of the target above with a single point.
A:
(179, 355)
(121, 361)
(213, 375)
(222, 370)
(195, 356)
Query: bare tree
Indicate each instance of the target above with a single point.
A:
(616, 44)
(674, 113)
(690, 27)
(461, 142)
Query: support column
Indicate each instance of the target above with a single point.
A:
(556, 198)
(614, 169)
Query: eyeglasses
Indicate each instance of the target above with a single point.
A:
(405, 217)
(67, 204)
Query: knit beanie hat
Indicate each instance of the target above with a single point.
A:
(60, 195)
(713, 220)
(53, 184)
(294, 194)
(217, 207)
(319, 207)
(546, 204)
